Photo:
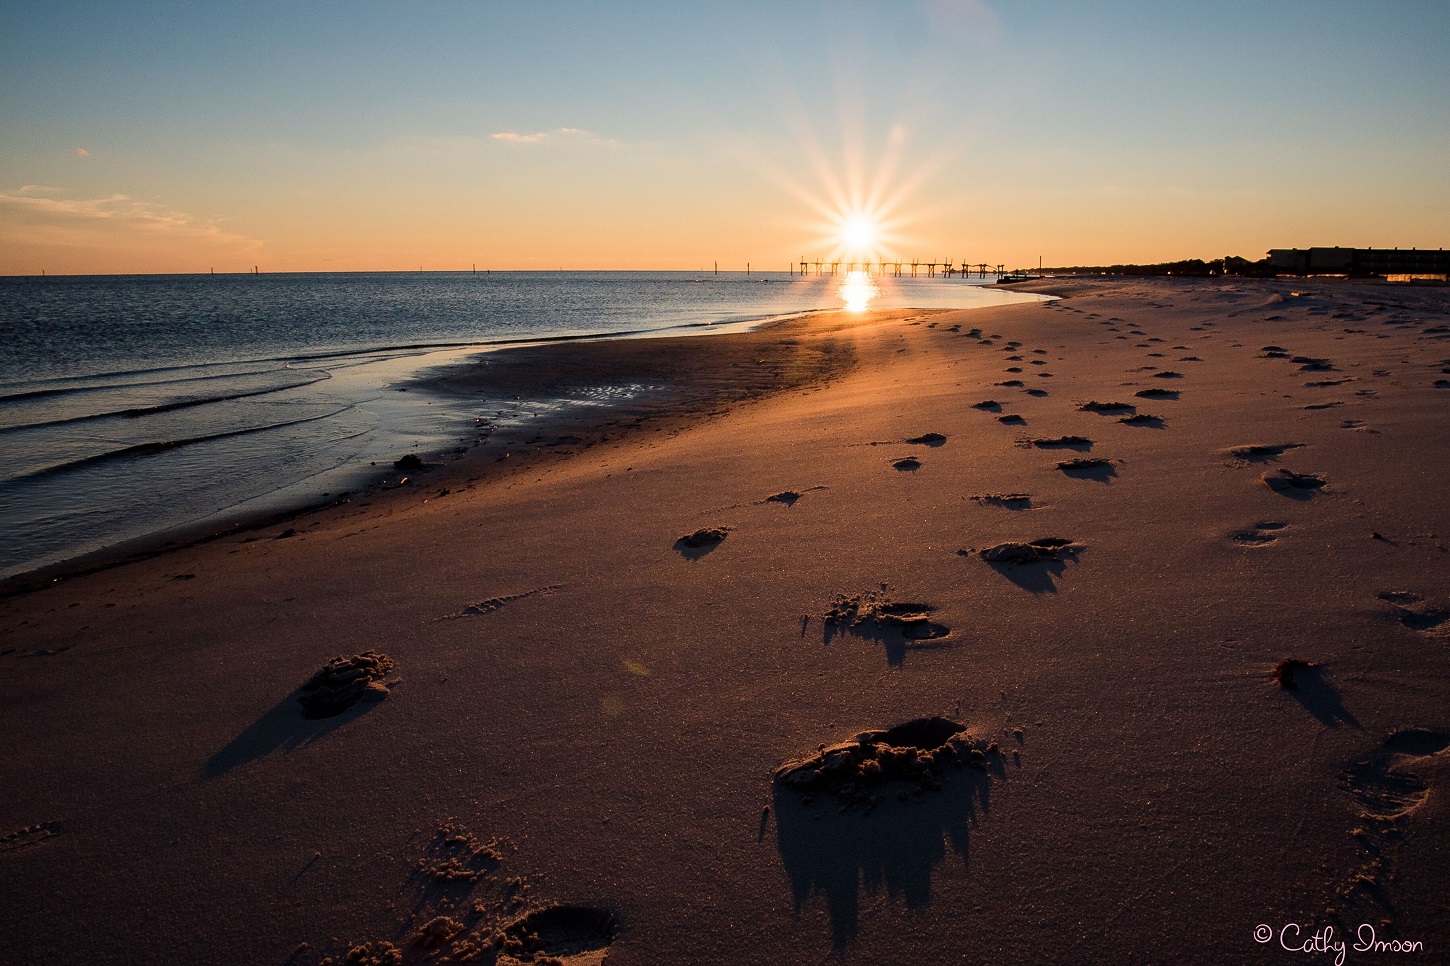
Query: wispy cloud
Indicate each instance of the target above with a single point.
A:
(83, 152)
(575, 134)
(34, 212)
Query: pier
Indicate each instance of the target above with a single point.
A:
(896, 269)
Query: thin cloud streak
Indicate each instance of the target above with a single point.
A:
(574, 134)
(40, 206)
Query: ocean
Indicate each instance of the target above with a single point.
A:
(134, 405)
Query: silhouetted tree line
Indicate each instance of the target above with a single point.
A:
(1229, 265)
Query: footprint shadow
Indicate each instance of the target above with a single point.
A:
(1038, 578)
(693, 552)
(1098, 473)
(897, 641)
(1321, 699)
(282, 729)
(1382, 785)
(893, 849)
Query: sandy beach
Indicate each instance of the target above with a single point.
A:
(570, 753)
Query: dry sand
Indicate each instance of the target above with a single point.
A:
(572, 754)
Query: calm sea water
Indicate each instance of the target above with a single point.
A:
(131, 405)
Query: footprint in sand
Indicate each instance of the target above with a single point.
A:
(1413, 612)
(1299, 486)
(1111, 408)
(464, 910)
(914, 753)
(1033, 551)
(1383, 785)
(1036, 392)
(496, 603)
(1034, 565)
(1081, 443)
(898, 802)
(907, 464)
(786, 498)
(1261, 452)
(693, 546)
(1008, 501)
(1157, 393)
(928, 439)
(988, 405)
(343, 682)
(1261, 534)
(29, 836)
(1089, 469)
(566, 935)
(1143, 419)
(874, 615)
(1012, 419)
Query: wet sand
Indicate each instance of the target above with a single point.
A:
(1083, 534)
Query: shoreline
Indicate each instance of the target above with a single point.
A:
(443, 466)
(364, 427)
(586, 712)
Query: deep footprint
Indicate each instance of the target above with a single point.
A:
(565, 934)
(29, 836)
(1287, 481)
(913, 755)
(1260, 452)
(1045, 548)
(1259, 535)
(343, 682)
(1382, 786)
(1415, 614)
(1010, 501)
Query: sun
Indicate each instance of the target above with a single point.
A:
(859, 233)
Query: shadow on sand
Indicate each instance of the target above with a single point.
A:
(281, 729)
(693, 553)
(1103, 472)
(837, 854)
(1321, 699)
(1038, 578)
(896, 640)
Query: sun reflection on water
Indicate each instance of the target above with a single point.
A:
(857, 290)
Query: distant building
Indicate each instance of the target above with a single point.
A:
(1360, 261)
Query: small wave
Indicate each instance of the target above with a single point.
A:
(139, 411)
(161, 446)
(119, 377)
(119, 386)
(401, 349)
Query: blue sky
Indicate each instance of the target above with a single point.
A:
(653, 135)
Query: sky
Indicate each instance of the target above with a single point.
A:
(446, 134)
